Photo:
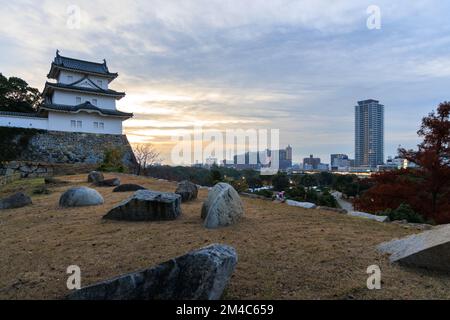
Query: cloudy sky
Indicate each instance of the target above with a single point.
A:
(298, 66)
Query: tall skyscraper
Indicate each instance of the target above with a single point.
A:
(369, 133)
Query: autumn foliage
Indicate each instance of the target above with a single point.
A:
(425, 188)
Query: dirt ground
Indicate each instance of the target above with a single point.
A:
(284, 252)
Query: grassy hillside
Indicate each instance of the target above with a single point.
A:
(284, 252)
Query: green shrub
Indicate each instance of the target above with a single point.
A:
(240, 185)
(112, 162)
(326, 199)
(404, 212)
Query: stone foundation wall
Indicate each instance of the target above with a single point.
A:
(56, 153)
(73, 147)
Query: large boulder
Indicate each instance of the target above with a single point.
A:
(108, 182)
(199, 275)
(223, 206)
(305, 205)
(79, 197)
(187, 190)
(127, 187)
(429, 249)
(17, 200)
(147, 205)
(95, 176)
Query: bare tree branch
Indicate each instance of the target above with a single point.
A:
(146, 155)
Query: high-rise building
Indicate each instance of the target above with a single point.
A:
(369, 133)
(311, 163)
(289, 152)
(339, 161)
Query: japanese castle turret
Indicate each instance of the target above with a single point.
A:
(77, 100)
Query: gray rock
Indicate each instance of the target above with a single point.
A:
(369, 216)
(17, 200)
(223, 206)
(187, 190)
(305, 205)
(147, 205)
(199, 275)
(108, 182)
(95, 176)
(429, 249)
(127, 187)
(79, 197)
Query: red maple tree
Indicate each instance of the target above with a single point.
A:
(425, 188)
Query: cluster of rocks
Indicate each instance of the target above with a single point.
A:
(200, 274)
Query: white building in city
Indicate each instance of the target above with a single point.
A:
(77, 100)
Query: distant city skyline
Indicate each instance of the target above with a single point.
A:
(298, 66)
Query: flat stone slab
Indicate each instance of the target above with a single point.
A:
(306, 205)
(147, 205)
(127, 187)
(223, 206)
(368, 216)
(114, 182)
(201, 274)
(429, 249)
(17, 200)
(80, 197)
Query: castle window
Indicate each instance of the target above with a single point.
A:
(78, 100)
(96, 125)
(79, 124)
(73, 124)
(101, 125)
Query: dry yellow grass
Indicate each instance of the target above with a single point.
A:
(284, 252)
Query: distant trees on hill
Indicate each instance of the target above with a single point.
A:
(425, 189)
(17, 96)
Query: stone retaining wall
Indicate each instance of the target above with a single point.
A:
(57, 153)
(74, 147)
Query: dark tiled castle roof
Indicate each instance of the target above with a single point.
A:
(87, 106)
(77, 65)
